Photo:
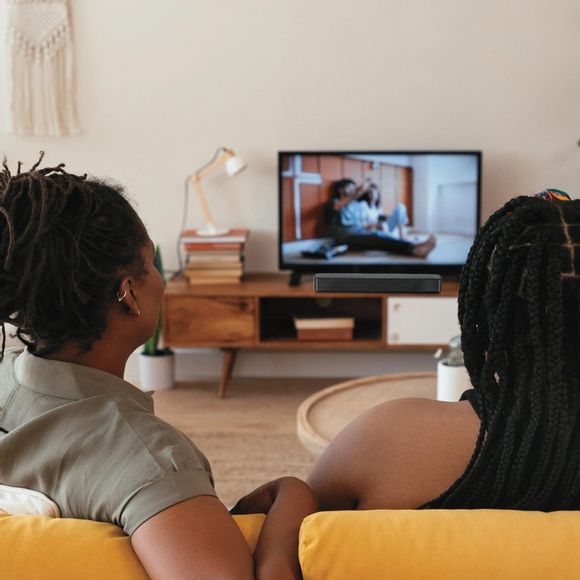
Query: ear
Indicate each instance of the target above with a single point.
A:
(126, 297)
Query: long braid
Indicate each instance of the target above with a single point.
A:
(535, 414)
(510, 479)
(572, 369)
(495, 373)
(469, 311)
(520, 283)
(504, 372)
(539, 374)
(558, 391)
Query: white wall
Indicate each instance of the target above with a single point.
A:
(162, 84)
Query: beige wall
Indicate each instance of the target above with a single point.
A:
(162, 84)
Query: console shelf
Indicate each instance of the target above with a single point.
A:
(258, 314)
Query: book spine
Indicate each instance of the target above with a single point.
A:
(215, 266)
(210, 281)
(215, 241)
(214, 273)
(197, 247)
(234, 236)
(211, 255)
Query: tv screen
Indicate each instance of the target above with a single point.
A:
(379, 211)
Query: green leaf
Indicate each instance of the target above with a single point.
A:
(151, 347)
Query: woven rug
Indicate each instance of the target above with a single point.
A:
(248, 437)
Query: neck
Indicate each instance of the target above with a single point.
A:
(104, 356)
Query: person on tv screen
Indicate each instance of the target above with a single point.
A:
(349, 225)
(374, 218)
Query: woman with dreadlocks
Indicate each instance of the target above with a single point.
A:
(78, 281)
(514, 441)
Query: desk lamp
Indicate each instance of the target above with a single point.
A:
(233, 165)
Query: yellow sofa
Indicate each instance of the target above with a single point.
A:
(403, 544)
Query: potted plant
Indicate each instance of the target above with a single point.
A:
(156, 365)
(452, 376)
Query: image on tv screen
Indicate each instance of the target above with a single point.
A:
(376, 209)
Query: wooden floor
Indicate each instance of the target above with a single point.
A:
(250, 436)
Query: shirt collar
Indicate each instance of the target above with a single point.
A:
(71, 381)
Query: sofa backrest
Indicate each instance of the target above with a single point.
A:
(440, 544)
(348, 545)
(67, 549)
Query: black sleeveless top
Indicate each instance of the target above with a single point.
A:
(470, 396)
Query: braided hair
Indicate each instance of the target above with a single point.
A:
(519, 312)
(65, 243)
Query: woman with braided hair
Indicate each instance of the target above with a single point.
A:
(78, 281)
(514, 441)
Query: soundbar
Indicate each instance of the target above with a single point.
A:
(378, 283)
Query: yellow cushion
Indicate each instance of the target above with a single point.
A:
(440, 544)
(61, 549)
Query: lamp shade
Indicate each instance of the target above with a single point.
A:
(234, 165)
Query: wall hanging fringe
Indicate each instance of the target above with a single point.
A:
(41, 68)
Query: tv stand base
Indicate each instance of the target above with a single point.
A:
(294, 278)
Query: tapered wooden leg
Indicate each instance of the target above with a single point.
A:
(227, 368)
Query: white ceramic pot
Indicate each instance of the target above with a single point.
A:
(451, 382)
(157, 373)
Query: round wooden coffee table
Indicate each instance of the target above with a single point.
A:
(322, 415)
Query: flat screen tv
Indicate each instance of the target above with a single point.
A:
(378, 211)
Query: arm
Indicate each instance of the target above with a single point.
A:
(287, 501)
(335, 478)
(361, 459)
(196, 538)
(397, 455)
(339, 203)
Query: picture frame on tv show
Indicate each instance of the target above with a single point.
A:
(378, 211)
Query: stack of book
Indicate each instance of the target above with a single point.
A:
(214, 259)
(324, 328)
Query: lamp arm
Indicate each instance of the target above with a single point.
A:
(220, 157)
(203, 203)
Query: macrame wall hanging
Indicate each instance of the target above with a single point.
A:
(40, 68)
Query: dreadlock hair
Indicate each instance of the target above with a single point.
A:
(519, 312)
(65, 243)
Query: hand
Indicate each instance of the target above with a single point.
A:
(360, 191)
(258, 501)
(365, 186)
(276, 555)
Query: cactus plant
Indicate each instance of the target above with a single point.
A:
(151, 347)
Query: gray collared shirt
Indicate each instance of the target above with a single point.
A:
(91, 442)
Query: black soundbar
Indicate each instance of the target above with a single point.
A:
(378, 283)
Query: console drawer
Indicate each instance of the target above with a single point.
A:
(207, 321)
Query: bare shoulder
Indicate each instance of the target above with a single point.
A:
(396, 455)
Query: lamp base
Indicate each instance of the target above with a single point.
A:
(211, 230)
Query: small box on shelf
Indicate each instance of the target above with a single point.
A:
(323, 329)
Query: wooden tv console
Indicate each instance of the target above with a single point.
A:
(258, 314)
